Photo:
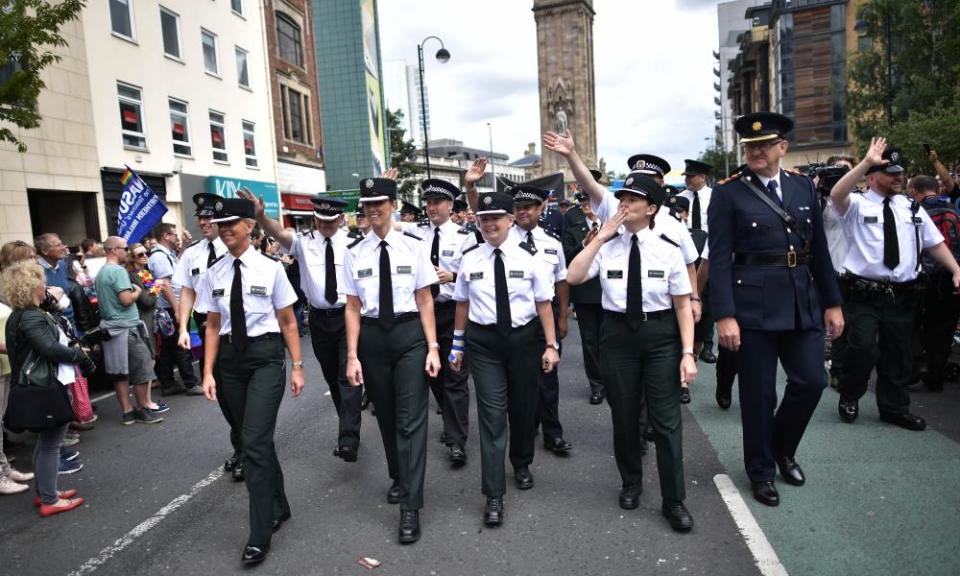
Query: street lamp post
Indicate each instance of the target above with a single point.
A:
(493, 167)
(442, 56)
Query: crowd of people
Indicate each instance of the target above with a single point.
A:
(791, 269)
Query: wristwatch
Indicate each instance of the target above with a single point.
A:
(555, 345)
(298, 364)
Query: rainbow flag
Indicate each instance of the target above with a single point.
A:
(140, 208)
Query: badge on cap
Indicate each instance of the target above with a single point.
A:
(488, 200)
(629, 181)
(894, 157)
(325, 206)
(218, 206)
(201, 201)
(369, 183)
(757, 126)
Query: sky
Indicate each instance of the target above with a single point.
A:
(653, 66)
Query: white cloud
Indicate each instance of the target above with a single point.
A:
(652, 59)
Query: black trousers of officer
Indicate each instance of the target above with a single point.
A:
(253, 382)
(703, 330)
(940, 314)
(171, 354)
(505, 373)
(726, 367)
(454, 386)
(396, 383)
(769, 431)
(234, 423)
(589, 319)
(328, 336)
(879, 328)
(643, 361)
(548, 407)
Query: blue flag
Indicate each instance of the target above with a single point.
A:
(140, 208)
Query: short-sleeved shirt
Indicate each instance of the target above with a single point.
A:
(410, 270)
(266, 289)
(704, 195)
(310, 250)
(111, 281)
(549, 251)
(528, 282)
(663, 272)
(453, 240)
(664, 224)
(163, 265)
(863, 223)
(193, 263)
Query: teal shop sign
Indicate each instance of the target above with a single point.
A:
(348, 196)
(227, 187)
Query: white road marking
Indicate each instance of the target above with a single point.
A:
(763, 553)
(103, 397)
(130, 537)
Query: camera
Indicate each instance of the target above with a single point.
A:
(826, 176)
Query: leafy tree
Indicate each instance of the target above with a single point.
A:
(722, 161)
(904, 82)
(29, 29)
(402, 154)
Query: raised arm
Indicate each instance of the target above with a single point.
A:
(563, 145)
(943, 173)
(840, 193)
(270, 226)
(470, 179)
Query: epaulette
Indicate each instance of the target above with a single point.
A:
(355, 242)
(462, 231)
(270, 256)
(414, 236)
(474, 247)
(616, 235)
(731, 178)
(668, 240)
(192, 244)
(217, 259)
(532, 250)
(552, 234)
(478, 236)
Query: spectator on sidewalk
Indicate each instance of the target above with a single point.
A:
(149, 292)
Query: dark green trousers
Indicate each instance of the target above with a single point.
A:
(506, 375)
(396, 383)
(252, 383)
(878, 332)
(638, 363)
(589, 318)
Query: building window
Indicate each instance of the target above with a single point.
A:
(218, 138)
(306, 120)
(210, 63)
(296, 116)
(288, 40)
(131, 116)
(170, 30)
(243, 77)
(237, 6)
(121, 18)
(249, 148)
(179, 127)
(284, 112)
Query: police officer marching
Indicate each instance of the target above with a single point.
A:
(697, 194)
(772, 289)
(501, 290)
(647, 337)
(249, 303)
(887, 233)
(391, 343)
(321, 253)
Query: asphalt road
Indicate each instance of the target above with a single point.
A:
(156, 503)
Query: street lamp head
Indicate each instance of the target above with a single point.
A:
(443, 55)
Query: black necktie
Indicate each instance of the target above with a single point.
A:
(634, 282)
(238, 319)
(435, 258)
(504, 323)
(696, 211)
(891, 248)
(772, 189)
(386, 288)
(330, 281)
(211, 254)
(530, 239)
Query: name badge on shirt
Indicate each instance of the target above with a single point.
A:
(654, 273)
(516, 273)
(404, 270)
(195, 271)
(917, 220)
(447, 253)
(615, 274)
(476, 275)
(218, 293)
(870, 220)
(258, 290)
(365, 273)
(550, 251)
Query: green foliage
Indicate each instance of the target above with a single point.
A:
(917, 102)
(402, 153)
(28, 30)
(723, 162)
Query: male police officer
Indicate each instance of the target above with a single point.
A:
(698, 195)
(887, 232)
(771, 278)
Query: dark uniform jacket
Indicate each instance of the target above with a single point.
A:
(769, 297)
(575, 229)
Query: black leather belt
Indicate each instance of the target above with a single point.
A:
(398, 319)
(447, 304)
(328, 312)
(252, 339)
(791, 259)
(645, 317)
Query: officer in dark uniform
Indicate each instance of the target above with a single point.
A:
(249, 303)
(580, 227)
(410, 213)
(772, 289)
(391, 331)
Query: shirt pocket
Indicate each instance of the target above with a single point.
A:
(870, 222)
(258, 299)
(518, 281)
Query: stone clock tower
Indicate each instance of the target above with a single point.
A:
(567, 98)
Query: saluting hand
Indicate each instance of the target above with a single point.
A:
(432, 366)
(475, 173)
(562, 144)
(210, 387)
(391, 174)
(258, 204)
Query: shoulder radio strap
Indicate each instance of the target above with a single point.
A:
(787, 219)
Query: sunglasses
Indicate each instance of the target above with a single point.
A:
(139, 254)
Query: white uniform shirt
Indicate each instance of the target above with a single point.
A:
(265, 290)
(163, 264)
(528, 282)
(863, 223)
(704, 194)
(310, 250)
(549, 251)
(410, 270)
(664, 224)
(453, 241)
(837, 243)
(664, 273)
(193, 262)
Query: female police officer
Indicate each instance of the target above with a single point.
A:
(387, 279)
(647, 315)
(501, 290)
(249, 301)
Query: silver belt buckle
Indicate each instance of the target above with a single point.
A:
(791, 259)
(643, 316)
